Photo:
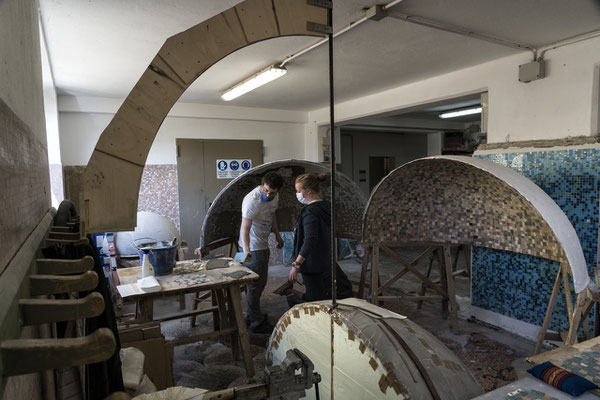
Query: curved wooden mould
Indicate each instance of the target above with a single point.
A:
(41, 311)
(24, 356)
(112, 177)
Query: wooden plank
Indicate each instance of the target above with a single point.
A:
(236, 304)
(567, 289)
(414, 262)
(178, 315)
(40, 311)
(549, 310)
(451, 292)
(51, 266)
(423, 286)
(131, 132)
(53, 284)
(258, 20)
(191, 52)
(363, 273)
(375, 275)
(110, 184)
(24, 356)
(575, 318)
(292, 17)
(468, 258)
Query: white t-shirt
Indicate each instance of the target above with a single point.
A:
(261, 213)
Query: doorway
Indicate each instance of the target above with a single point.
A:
(204, 167)
(379, 167)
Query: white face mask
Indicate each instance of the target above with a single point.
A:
(300, 198)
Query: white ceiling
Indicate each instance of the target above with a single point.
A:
(101, 47)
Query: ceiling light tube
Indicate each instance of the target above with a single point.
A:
(460, 113)
(260, 78)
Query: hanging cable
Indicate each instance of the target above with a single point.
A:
(332, 160)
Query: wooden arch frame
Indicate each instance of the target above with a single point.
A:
(112, 177)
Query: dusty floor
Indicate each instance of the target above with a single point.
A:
(494, 357)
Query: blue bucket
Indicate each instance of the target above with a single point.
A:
(162, 256)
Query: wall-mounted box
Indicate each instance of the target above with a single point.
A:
(531, 71)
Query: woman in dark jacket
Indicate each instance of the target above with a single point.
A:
(312, 241)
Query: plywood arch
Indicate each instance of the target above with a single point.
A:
(112, 177)
(465, 200)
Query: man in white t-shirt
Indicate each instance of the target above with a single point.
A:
(258, 218)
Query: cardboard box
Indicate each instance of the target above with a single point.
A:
(158, 354)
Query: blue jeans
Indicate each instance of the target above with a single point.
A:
(260, 265)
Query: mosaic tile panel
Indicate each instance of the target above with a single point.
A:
(158, 191)
(445, 200)
(572, 179)
(224, 216)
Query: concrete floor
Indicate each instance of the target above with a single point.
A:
(494, 357)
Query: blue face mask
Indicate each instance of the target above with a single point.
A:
(264, 197)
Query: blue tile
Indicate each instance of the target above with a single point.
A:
(518, 285)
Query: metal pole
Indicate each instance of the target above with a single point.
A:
(332, 160)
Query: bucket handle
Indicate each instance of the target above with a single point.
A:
(136, 245)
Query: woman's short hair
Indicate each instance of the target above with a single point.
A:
(311, 181)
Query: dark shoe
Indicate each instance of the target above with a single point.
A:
(264, 327)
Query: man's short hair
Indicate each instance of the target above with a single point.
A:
(273, 179)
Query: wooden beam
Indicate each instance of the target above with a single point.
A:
(412, 269)
(25, 356)
(450, 288)
(549, 310)
(414, 262)
(53, 284)
(363, 273)
(40, 311)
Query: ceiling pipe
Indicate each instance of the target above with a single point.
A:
(458, 30)
(343, 30)
(568, 41)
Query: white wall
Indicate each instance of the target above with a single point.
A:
(558, 106)
(82, 120)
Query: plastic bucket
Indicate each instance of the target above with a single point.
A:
(162, 255)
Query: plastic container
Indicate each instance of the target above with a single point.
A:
(162, 254)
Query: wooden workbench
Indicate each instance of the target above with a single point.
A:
(190, 277)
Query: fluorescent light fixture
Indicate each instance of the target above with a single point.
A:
(260, 78)
(460, 113)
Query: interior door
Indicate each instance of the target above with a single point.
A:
(200, 179)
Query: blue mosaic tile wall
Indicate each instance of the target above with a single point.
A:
(517, 285)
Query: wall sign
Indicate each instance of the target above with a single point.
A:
(228, 169)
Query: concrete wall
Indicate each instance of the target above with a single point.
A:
(23, 155)
(563, 104)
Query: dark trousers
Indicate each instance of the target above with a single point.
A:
(314, 287)
(259, 264)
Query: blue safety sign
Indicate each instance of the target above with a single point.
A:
(228, 169)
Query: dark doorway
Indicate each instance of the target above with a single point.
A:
(379, 167)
